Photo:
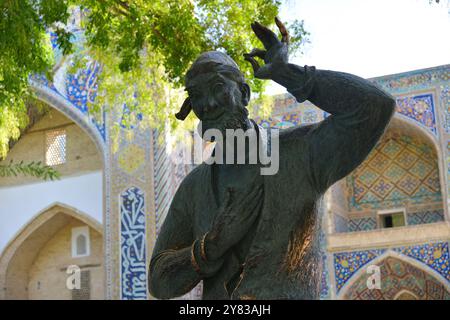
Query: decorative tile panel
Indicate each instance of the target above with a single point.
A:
(398, 171)
(324, 289)
(445, 102)
(362, 224)
(414, 80)
(131, 158)
(347, 263)
(428, 216)
(434, 255)
(419, 108)
(400, 280)
(133, 245)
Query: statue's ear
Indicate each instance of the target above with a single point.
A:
(245, 89)
(184, 110)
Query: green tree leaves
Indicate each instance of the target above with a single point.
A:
(144, 47)
(35, 169)
(24, 49)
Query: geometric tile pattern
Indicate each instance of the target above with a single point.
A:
(282, 121)
(399, 170)
(82, 86)
(435, 255)
(81, 90)
(419, 108)
(414, 80)
(284, 103)
(445, 100)
(362, 224)
(287, 112)
(370, 223)
(347, 263)
(133, 245)
(131, 158)
(324, 278)
(428, 216)
(399, 278)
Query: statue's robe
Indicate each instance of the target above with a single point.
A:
(282, 257)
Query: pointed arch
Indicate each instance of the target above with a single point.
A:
(30, 239)
(64, 106)
(58, 102)
(392, 254)
(432, 139)
(405, 295)
(344, 190)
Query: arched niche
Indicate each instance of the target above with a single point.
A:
(348, 197)
(401, 278)
(58, 102)
(19, 256)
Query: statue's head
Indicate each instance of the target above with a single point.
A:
(218, 93)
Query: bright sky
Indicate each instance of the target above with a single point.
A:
(372, 37)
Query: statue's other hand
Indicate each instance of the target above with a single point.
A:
(275, 53)
(234, 219)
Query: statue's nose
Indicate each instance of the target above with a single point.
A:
(209, 107)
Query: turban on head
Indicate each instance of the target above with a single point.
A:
(211, 61)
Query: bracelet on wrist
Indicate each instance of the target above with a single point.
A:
(203, 248)
(193, 260)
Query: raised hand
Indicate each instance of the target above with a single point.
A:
(235, 217)
(275, 53)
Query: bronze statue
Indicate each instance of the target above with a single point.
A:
(249, 236)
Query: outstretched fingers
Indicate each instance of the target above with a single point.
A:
(285, 38)
(265, 35)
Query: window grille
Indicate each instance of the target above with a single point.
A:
(55, 147)
(84, 293)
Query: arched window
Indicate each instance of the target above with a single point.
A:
(81, 245)
(80, 242)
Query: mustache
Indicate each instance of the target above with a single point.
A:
(237, 120)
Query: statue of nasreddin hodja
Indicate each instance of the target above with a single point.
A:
(249, 236)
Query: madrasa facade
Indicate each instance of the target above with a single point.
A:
(385, 231)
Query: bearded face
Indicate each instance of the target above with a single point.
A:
(219, 102)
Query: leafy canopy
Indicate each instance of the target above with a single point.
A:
(144, 49)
